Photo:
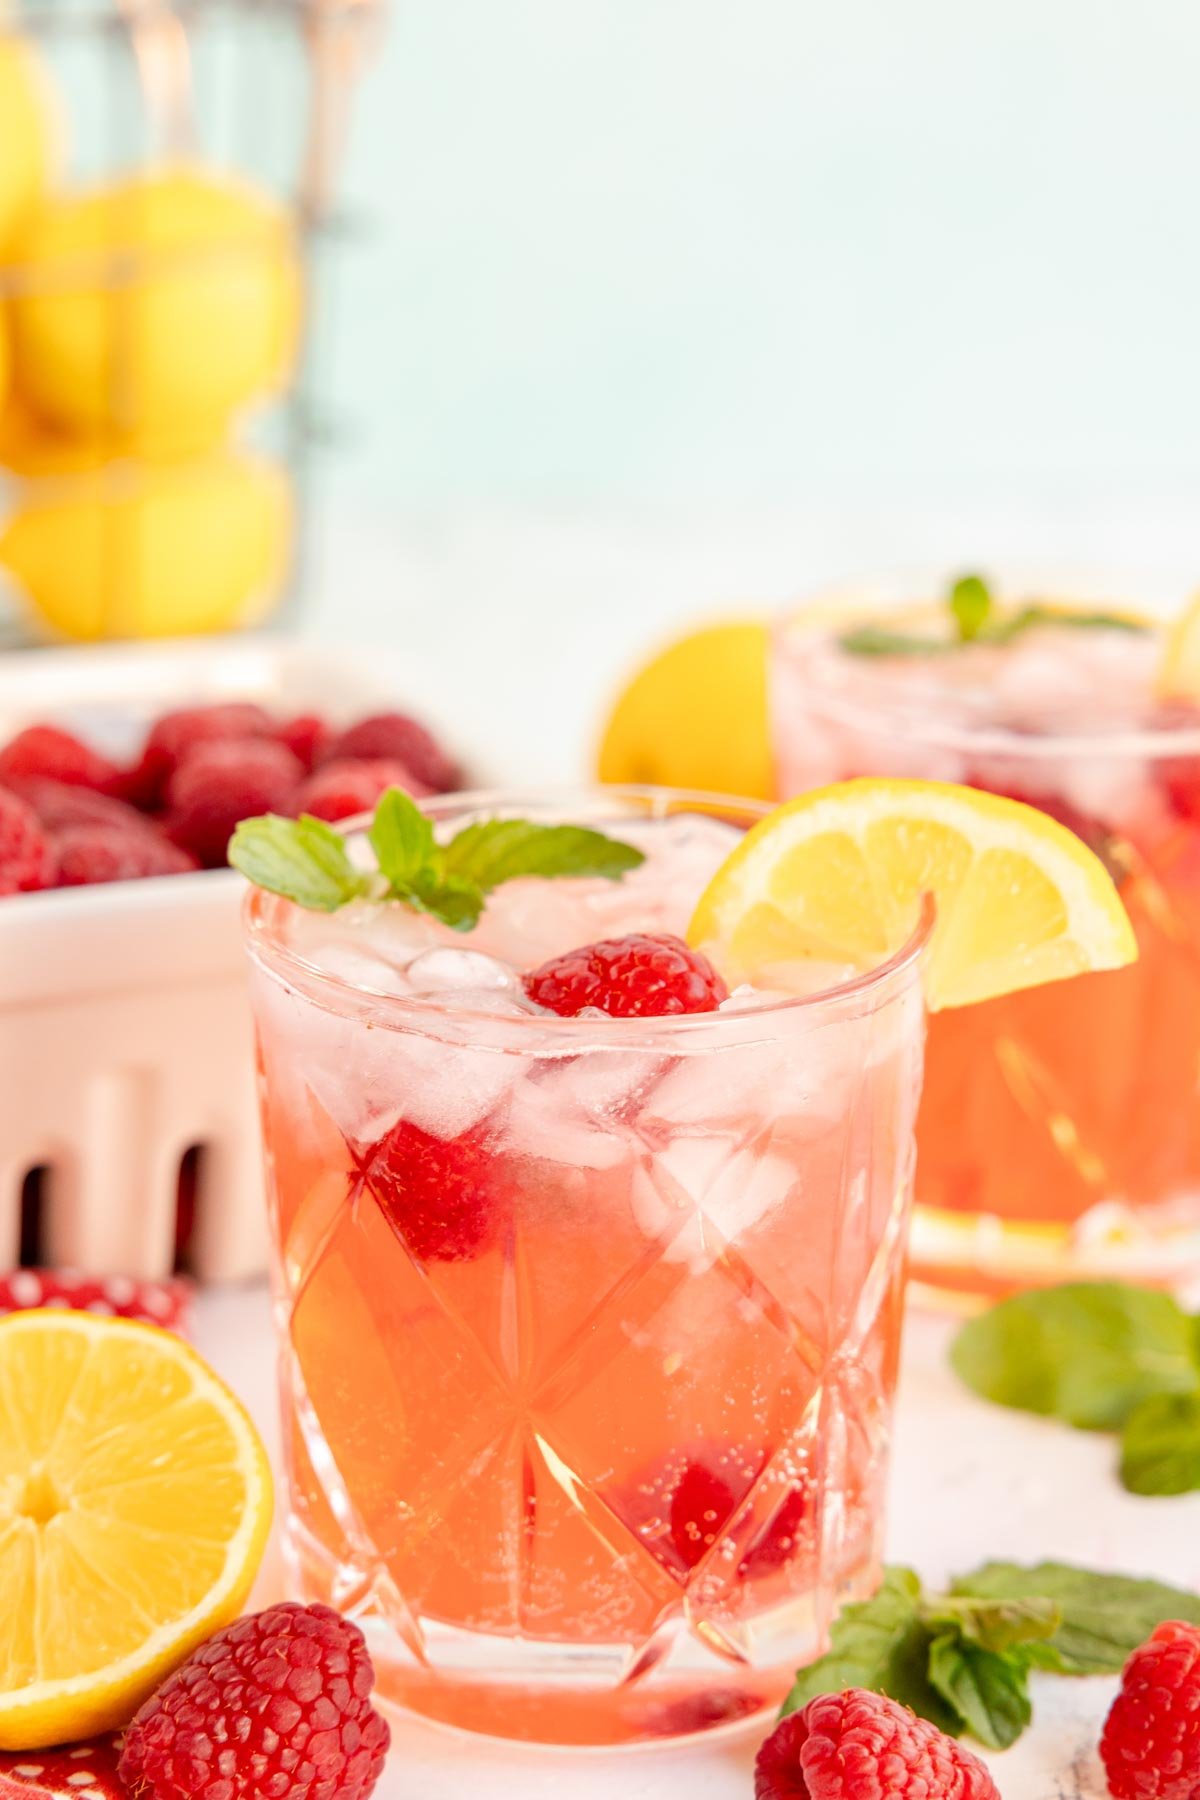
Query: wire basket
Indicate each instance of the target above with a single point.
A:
(167, 287)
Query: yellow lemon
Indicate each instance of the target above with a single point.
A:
(152, 550)
(155, 307)
(696, 716)
(1179, 674)
(26, 136)
(839, 874)
(5, 368)
(135, 1502)
(30, 447)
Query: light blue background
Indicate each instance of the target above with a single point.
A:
(731, 251)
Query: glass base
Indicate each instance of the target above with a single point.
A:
(556, 1693)
(962, 1260)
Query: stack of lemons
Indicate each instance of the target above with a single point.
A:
(143, 318)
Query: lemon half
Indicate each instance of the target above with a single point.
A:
(135, 1502)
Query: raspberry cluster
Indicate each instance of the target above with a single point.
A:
(70, 817)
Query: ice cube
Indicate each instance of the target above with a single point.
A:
(441, 970)
(729, 1190)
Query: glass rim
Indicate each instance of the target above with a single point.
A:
(896, 587)
(267, 947)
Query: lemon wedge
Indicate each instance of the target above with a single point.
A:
(1179, 671)
(839, 873)
(135, 1502)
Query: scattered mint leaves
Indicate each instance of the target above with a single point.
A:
(307, 861)
(304, 858)
(881, 1644)
(963, 1658)
(971, 606)
(1160, 1445)
(978, 619)
(1086, 1352)
(1102, 1618)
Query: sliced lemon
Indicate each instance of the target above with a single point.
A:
(135, 1502)
(838, 875)
(1179, 671)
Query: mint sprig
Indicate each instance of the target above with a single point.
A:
(1102, 1356)
(305, 860)
(977, 618)
(962, 1658)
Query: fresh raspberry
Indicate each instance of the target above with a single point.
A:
(1151, 1742)
(165, 1303)
(220, 783)
(47, 751)
(860, 1746)
(340, 790)
(59, 805)
(634, 977)
(443, 1197)
(91, 854)
(175, 734)
(306, 737)
(275, 1707)
(27, 860)
(394, 737)
(89, 1768)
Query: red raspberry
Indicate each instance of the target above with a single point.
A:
(340, 790)
(860, 1746)
(306, 737)
(701, 1506)
(59, 805)
(1151, 1742)
(219, 784)
(61, 1774)
(443, 1197)
(175, 734)
(634, 977)
(91, 854)
(394, 737)
(27, 860)
(788, 1530)
(165, 1303)
(47, 751)
(275, 1707)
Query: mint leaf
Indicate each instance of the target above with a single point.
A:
(989, 1690)
(303, 859)
(1103, 1617)
(876, 640)
(457, 903)
(881, 1644)
(997, 1625)
(1087, 1352)
(1160, 1449)
(497, 850)
(402, 839)
(1026, 617)
(971, 604)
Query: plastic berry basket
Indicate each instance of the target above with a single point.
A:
(128, 1115)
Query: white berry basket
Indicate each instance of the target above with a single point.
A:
(126, 1050)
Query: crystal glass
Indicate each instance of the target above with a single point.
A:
(595, 1455)
(1059, 1133)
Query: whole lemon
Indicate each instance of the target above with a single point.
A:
(26, 136)
(146, 550)
(155, 307)
(695, 715)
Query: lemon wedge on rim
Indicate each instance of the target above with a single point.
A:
(1179, 671)
(839, 873)
(135, 1502)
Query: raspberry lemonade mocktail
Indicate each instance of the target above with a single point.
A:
(589, 1240)
(1059, 1132)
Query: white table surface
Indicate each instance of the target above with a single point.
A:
(970, 1482)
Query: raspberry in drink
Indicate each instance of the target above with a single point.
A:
(1059, 1132)
(589, 1274)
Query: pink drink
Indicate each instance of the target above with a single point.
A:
(1059, 1134)
(594, 1447)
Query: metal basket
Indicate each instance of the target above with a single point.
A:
(260, 89)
